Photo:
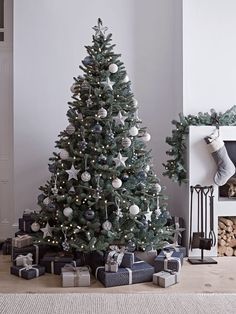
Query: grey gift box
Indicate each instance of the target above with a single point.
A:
(127, 260)
(75, 276)
(172, 264)
(112, 267)
(166, 279)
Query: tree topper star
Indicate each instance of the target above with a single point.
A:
(72, 172)
(47, 231)
(100, 30)
(119, 119)
(120, 160)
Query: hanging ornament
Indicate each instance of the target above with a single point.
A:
(120, 119)
(72, 191)
(35, 227)
(146, 137)
(107, 225)
(47, 231)
(157, 212)
(134, 209)
(144, 223)
(88, 60)
(67, 211)
(135, 103)
(148, 214)
(126, 142)
(46, 201)
(54, 190)
(133, 131)
(158, 187)
(72, 172)
(41, 198)
(116, 183)
(51, 207)
(74, 88)
(85, 176)
(79, 116)
(108, 83)
(110, 137)
(52, 168)
(126, 79)
(89, 214)
(65, 244)
(119, 213)
(141, 186)
(102, 159)
(147, 168)
(64, 154)
(120, 160)
(102, 113)
(82, 145)
(97, 128)
(142, 175)
(125, 177)
(89, 102)
(113, 68)
(131, 246)
(70, 129)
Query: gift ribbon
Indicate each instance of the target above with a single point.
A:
(28, 258)
(97, 269)
(130, 275)
(24, 236)
(52, 267)
(169, 258)
(28, 267)
(36, 253)
(116, 253)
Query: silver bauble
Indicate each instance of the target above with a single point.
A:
(107, 225)
(133, 131)
(46, 201)
(70, 129)
(126, 79)
(102, 113)
(35, 227)
(116, 183)
(113, 68)
(158, 187)
(85, 176)
(146, 137)
(134, 209)
(64, 154)
(67, 211)
(126, 142)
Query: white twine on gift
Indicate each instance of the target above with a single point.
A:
(52, 267)
(130, 275)
(169, 257)
(28, 267)
(97, 269)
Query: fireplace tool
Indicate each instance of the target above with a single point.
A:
(198, 239)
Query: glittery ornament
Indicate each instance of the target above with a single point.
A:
(142, 175)
(113, 68)
(65, 246)
(157, 212)
(102, 113)
(35, 227)
(133, 131)
(52, 168)
(67, 211)
(134, 209)
(147, 168)
(110, 137)
(146, 137)
(46, 201)
(82, 145)
(125, 177)
(70, 129)
(126, 142)
(107, 225)
(158, 187)
(88, 61)
(89, 214)
(116, 183)
(102, 159)
(51, 207)
(54, 190)
(97, 128)
(64, 154)
(41, 197)
(85, 176)
(74, 88)
(131, 246)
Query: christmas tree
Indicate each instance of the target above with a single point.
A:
(102, 188)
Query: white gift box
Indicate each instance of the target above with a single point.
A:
(75, 276)
(166, 279)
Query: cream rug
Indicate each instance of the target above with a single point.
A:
(117, 303)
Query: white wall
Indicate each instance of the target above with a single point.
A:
(209, 50)
(48, 47)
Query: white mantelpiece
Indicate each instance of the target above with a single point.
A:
(201, 169)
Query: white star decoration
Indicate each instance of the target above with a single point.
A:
(108, 83)
(47, 231)
(89, 102)
(120, 160)
(119, 119)
(100, 30)
(148, 215)
(72, 172)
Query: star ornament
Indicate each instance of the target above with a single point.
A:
(108, 83)
(47, 231)
(120, 160)
(72, 172)
(100, 30)
(120, 119)
(148, 215)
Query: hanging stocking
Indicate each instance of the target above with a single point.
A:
(225, 167)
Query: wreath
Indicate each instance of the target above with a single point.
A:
(175, 167)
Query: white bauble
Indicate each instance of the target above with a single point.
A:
(102, 113)
(85, 176)
(64, 154)
(67, 211)
(107, 225)
(134, 209)
(126, 79)
(35, 227)
(46, 201)
(70, 129)
(126, 142)
(73, 88)
(133, 131)
(135, 102)
(113, 68)
(146, 137)
(158, 187)
(147, 168)
(116, 183)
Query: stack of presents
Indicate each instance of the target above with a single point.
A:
(116, 267)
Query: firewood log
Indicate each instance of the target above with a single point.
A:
(226, 221)
(232, 243)
(222, 242)
(229, 251)
(221, 225)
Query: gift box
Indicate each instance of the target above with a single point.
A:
(141, 272)
(147, 256)
(38, 251)
(23, 260)
(115, 254)
(7, 247)
(53, 263)
(25, 223)
(22, 240)
(172, 261)
(165, 279)
(75, 276)
(112, 266)
(181, 249)
(94, 259)
(28, 272)
(127, 260)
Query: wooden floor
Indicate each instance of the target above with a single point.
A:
(219, 278)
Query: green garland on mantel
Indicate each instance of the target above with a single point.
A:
(175, 167)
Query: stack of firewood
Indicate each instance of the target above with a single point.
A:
(227, 236)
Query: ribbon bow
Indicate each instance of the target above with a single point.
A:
(23, 236)
(24, 260)
(116, 254)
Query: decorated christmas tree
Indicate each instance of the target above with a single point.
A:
(102, 188)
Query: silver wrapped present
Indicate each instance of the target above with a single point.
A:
(166, 279)
(75, 276)
(22, 241)
(112, 266)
